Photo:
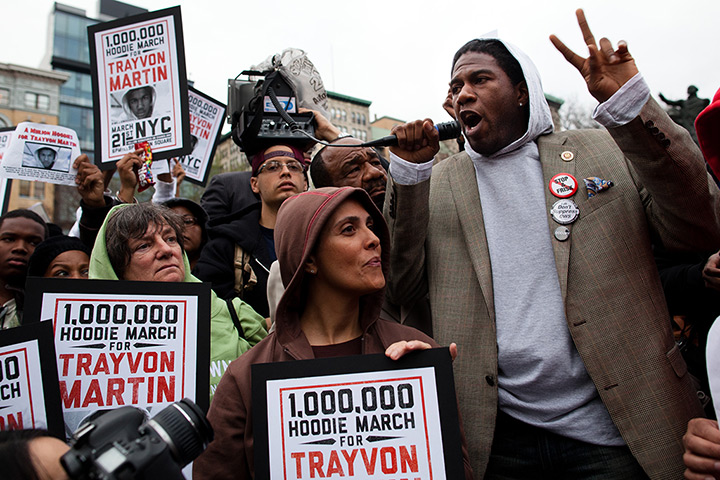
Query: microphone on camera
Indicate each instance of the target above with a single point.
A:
(447, 130)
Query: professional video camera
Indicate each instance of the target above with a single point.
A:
(264, 113)
(119, 444)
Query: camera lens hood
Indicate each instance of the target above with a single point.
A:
(184, 428)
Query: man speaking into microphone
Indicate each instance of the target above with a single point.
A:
(535, 250)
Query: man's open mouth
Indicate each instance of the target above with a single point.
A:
(470, 119)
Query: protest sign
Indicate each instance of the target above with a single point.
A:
(5, 183)
(41, 152)
(5, 136)
(139, 86)
(29, 394)
(206, 117)
(144, 344)
(712, 353)
(364, 417)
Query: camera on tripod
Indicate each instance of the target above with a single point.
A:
(264, 113)
(119, 444)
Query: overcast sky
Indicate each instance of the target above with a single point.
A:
(398, 54)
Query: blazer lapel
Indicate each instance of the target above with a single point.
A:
(464, 190)
(551, 159)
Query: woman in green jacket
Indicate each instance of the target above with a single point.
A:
(144, 242)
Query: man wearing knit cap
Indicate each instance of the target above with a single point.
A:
(535, 250)
(241, 248)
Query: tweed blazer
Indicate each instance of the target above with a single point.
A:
(613, 298)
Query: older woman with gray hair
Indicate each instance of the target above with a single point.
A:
(143, 242)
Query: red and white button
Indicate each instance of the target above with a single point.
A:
(563, 185)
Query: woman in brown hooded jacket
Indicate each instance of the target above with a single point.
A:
(333, 248)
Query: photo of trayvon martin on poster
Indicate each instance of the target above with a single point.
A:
(139, 86)
(41, 152)
(125, 343)
(206, 117)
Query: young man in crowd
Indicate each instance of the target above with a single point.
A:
(20, 232)
(241, 249)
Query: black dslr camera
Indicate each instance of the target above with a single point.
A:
(119, 444)
(264, 113)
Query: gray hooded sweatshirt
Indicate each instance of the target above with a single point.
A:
(542, 380)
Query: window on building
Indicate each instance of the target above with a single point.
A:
(35, 190)
(70, 37)
(78, 86)
(37, 101)
(352, 117)
(79, 119)
(344, 116)
(4, 96)
(363, 118)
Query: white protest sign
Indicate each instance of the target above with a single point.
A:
(139, 85)
(206, 117)
(362, 425)
(41, 152)
(133, 346)
(21, 389)
(29, 394)
(712, 354)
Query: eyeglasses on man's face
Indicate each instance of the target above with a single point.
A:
(274, 166)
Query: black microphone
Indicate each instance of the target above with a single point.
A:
(447, 130)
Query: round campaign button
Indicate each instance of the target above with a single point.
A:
(562, 233)
(567, 156)
(563, 185)
(564, 211)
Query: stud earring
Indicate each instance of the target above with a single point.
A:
(521, 104)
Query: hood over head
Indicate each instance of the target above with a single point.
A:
(540, 120)
(100, 266)
(49, 249)
(300, 222)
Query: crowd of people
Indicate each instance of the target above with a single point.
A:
(558, 302)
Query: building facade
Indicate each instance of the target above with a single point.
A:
(68, 52)
(351, 115)
(30, 95)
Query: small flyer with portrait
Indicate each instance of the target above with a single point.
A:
(41, 152)
(124, 343)
(29, 394)
(206, 118)
(139, 86)
(363, 416)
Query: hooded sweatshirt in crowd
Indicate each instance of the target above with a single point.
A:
(299, 225)
(225, 343)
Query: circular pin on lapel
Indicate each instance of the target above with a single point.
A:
(563, 185)
(564, 211)
(562, 233)
(567, 156)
